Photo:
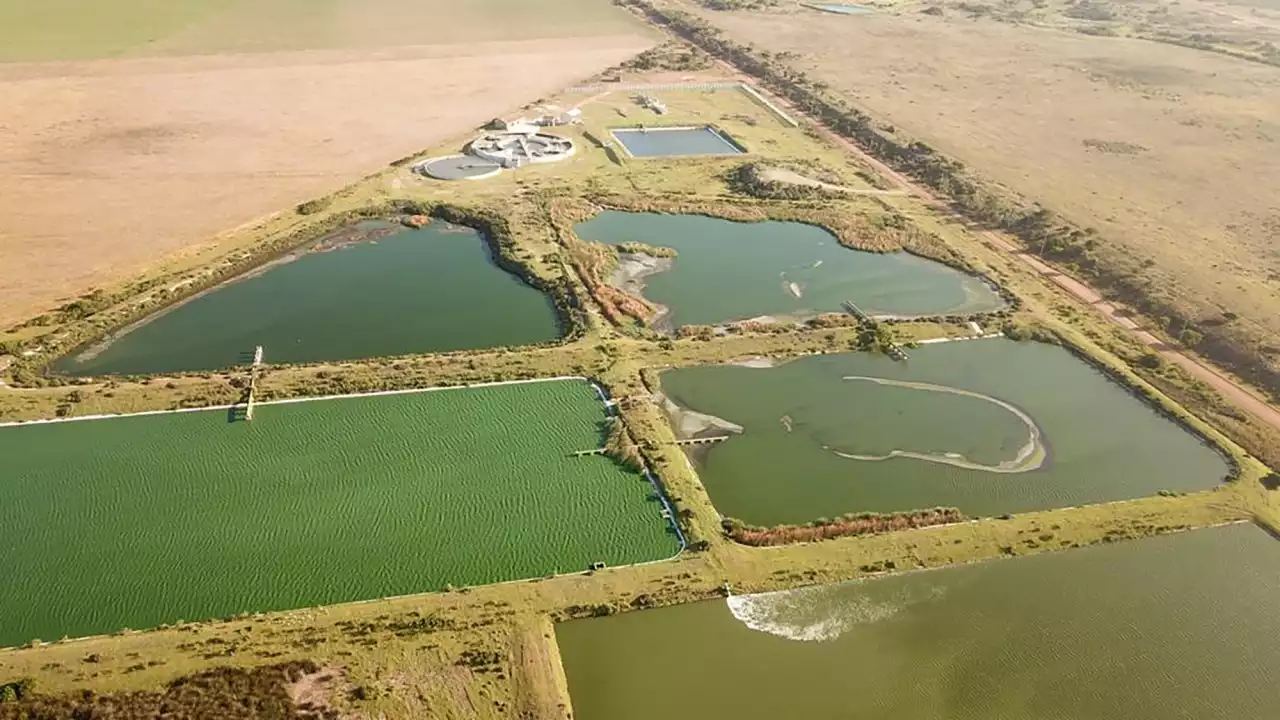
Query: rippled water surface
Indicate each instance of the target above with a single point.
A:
(139, 521)
(726, 271)
(806, 423)
(428, 290)
(1180, 626)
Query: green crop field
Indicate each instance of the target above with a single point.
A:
(138, 521)
(82, 29)
(90, 29)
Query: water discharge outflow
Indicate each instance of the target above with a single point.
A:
(823, 612)
(1030, 456)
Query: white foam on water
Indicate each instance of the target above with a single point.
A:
(1031, 456)
(813, 614)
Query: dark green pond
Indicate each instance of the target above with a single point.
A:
(142, 520)
(1032, 427)
(726, 271)
(1180, 626)
(430, 290)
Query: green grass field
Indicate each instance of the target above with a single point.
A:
(90, 29)
(82, 29)
(138, 521)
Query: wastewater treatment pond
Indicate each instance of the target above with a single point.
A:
(433, 289)
(990, 426)
(726, 271)
(142, 520)
(1177, 626)
(675, 142)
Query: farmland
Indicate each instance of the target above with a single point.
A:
(140, 28)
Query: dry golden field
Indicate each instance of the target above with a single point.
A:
(1171, 152)
(132, 135)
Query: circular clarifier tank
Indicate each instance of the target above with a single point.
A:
(459, 167)
(515, 149)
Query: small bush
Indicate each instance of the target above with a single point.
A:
(1151, 361)
(312, 207)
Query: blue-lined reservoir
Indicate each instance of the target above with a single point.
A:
(676, 141)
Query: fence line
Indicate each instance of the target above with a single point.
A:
(656, 86)
(744, 87)
(785, 118)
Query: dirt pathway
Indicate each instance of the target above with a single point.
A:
(1236, 393)
(795, 178)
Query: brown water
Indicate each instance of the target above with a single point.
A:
(1181, 626)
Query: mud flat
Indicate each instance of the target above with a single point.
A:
(990, 426)
(634, 268)
(1171, 626)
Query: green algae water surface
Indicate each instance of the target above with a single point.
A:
(726, 271)
(429, 290)
(1178, 626)
(138, 521)
(989, 426)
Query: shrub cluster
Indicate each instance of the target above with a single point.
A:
(749, 179)
(226, 692)
(846, 525)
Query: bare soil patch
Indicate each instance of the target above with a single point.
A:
(794, 178)
(107, 167)
(315, 690)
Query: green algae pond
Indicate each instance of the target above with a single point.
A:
(990, 426)
(433, 289)
(141, 520)
(726, 271)
(1175, 626)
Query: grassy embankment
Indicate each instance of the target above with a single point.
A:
(488, 651)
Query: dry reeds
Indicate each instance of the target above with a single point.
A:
(847, 525)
